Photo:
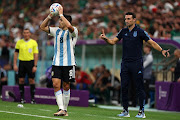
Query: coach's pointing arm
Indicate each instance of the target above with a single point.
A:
(109, 41)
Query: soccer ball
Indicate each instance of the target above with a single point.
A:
(20, 105)
(54, 9)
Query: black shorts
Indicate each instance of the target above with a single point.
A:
(65, 73)
(25, 67)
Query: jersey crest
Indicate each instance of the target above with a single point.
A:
(135, 34)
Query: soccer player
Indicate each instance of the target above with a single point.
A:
(27, 49)
(63, 65)
(132, 61)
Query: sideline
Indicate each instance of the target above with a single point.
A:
(32, 115)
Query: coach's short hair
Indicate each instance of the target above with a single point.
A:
(130, 13)
(68, 17)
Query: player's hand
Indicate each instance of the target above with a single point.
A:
(103, 36)
(51, 15)
(15, 68)
(60, 9)
(165, 53)
(34, 69)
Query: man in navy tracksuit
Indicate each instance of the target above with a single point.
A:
(132, 60)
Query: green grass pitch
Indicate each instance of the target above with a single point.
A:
(10, 111)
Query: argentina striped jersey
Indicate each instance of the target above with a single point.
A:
(64, 43)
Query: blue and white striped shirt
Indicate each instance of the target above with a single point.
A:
(64, 43)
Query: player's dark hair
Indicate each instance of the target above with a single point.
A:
(130, 13)
(68, 17)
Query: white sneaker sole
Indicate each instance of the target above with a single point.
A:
(124, 116)
(140, 117)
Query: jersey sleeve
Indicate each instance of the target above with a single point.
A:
(35, 47)
(74, 34)
(145, 36)
(52, 30)
(17, 45)
(119, 35)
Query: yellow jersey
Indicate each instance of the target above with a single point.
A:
(27, 49)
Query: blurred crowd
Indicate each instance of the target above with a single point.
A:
(160, 18)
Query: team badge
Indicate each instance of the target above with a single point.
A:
(135, 34)
(30, 50)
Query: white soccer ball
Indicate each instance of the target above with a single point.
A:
(54, 9)
(20, 105)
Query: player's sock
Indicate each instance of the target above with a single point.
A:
(21, 90)
(66, 97)
(32, 89)
(59, 99)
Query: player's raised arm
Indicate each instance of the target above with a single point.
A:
(66, 22)
(44, 24)
(112, 41)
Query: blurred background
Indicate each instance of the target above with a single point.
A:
(98, 63)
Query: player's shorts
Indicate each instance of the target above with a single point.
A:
(65, 73)
(25, 67)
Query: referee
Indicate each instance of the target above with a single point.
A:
(132, 60)
(27, 49)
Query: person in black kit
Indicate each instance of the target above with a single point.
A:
(132, 60)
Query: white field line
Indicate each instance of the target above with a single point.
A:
(115, 118)
(90, 115)
(32, 115)
(29, 108)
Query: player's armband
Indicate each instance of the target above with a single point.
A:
(16, 50)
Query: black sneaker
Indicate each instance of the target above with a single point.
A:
(33, 101)
(22, 101)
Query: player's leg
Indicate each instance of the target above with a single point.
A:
(21, 89)
(137, 75)
(124, 88)
(68, 76)
(31, 76)
(32, 89)
(21, 75)
(66, 95)
(56, 78)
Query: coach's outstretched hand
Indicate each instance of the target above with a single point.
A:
(103, 36)
(165, 53)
